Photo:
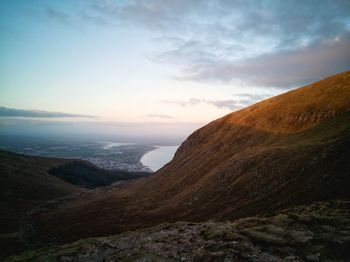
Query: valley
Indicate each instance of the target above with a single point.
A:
(269, 182)
(27, 182)
(175, 131)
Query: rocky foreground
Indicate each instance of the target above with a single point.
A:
(317, 232)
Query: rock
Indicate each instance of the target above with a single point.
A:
(282, 237)
(314, 257)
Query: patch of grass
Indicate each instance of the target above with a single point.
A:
(265, 237)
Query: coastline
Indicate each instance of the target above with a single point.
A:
(156, 159)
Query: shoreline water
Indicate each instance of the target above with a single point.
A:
(109, 155)
(157, 158)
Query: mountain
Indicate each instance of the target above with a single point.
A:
(86, 175)
(288, 150)
(27, 182)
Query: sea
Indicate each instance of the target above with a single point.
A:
(157, 158)
(111, 155)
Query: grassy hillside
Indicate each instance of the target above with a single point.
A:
(27, 182)
(24, 184)
(84, 174)
(288, 150)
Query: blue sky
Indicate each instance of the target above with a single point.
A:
(162, 61)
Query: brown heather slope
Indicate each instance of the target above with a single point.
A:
(25, 184)
(287, 150)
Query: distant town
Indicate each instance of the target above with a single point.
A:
(106, 155)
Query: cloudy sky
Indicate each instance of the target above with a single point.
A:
(163, 61)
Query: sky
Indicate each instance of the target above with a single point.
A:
(170, 65)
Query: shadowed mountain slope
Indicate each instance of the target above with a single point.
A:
(27, 182)
(86, 175)
(287, 150)
(24, 184)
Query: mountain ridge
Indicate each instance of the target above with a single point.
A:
(227, 170)
(301, 108)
